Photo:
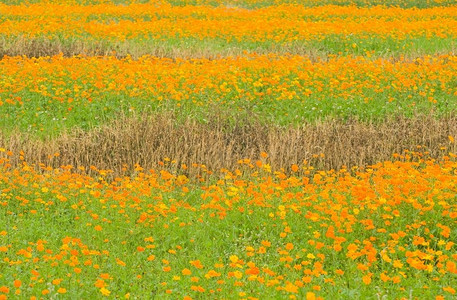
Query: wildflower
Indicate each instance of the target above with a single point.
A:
(17, 283)
(105, 292)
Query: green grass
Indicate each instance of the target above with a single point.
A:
(39, 117)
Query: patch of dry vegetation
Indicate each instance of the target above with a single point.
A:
(219, 144)
(43, 47)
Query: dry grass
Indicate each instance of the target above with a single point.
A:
(326, 145)
(39, 47)
(19, 46)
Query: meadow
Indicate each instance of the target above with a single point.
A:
(208, 149)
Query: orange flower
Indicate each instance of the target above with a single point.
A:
(289, 246)
(186, 271)
(151, 257)
(339, 272)
(197, 264)
(310, 296)
(17, 283)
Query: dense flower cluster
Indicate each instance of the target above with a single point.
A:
(63, 92)
(272, 24)
(250, 231)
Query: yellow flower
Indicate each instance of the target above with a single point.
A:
(105, 292)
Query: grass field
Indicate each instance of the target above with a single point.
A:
(207, 149)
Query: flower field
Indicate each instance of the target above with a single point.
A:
(387, 230)
(210, 30)
(209, 149)
(51, 94)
